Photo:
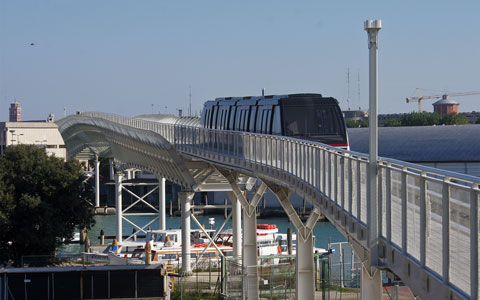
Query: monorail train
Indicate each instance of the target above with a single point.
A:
(303, 116)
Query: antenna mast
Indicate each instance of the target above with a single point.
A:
(358, 83)
(190, 98)
(348, 88)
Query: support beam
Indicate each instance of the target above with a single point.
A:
(111, 169)
(250, 257)
(97, 181)
(185, 199)
(236, 224)
(162, 206)
(305, 273)
(118, 204)
(371, 283)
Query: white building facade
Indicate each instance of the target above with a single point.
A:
(41, 134)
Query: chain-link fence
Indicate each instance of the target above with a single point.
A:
(345, 267)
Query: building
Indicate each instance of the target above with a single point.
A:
(15, 112)
(445, 106)
(453, 148)
(472, 117)
(355, 115)
(43, 134)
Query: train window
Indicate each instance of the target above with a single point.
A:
(311, 121)
(268, 127)
(253, 116)
(208, 118)
(237, 119)
(245, 120)
(259, 122)
(232, 117)
(225, 119)
(202, 119)
(222, 119)
(264, 121)
(268, 121)
(277, 121)
(241, 120)
(214, 116)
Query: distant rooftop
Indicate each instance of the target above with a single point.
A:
(460, 143)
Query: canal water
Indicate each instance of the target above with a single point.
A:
(324, 232)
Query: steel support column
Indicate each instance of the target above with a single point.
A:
(305, 285)
(97, 182)
(371, 283)
(185, 199)
(250, 257)
(118, 204)
(111, 169)
(236, 224)
(305, 273)
(162, 204)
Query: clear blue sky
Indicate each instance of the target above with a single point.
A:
(123, 56)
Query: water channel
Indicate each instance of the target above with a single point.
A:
(324, 232)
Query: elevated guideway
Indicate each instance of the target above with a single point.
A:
(427, 218)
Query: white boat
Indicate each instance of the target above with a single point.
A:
(269, 240)
(166, 245)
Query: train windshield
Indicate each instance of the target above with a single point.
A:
(314, 122)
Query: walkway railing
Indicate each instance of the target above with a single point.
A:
(428, 215)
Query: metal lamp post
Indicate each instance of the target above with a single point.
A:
(371, 279)
(372, 28)
(13, 134)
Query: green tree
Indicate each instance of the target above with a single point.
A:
(43, 199)
(454, 119)
(356, 124)
(393, 122)
(421, 119)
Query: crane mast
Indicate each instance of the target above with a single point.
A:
(420, 98)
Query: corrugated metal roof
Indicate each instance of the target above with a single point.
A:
(459, 143)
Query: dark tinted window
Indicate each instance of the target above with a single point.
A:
(277, 125)
(253, 115)
(314, 122)
(214, 116)
(232, 117)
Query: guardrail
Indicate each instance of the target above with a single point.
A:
(429, 215)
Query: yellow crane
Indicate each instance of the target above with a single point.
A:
(420, 98)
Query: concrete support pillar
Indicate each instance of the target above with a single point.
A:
(162, 206)
(236, 225)
(371, 284)
(305, 273)
(185, 199)
(250, 256)
(118, 205)
(112, 170)
(97, 182)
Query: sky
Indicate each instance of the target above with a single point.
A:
(137, 57)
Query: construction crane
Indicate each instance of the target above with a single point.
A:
(420, 98)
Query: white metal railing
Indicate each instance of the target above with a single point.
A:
(430, 215)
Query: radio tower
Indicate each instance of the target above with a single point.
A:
(348, 88)
(190, 98)
(358, 82)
